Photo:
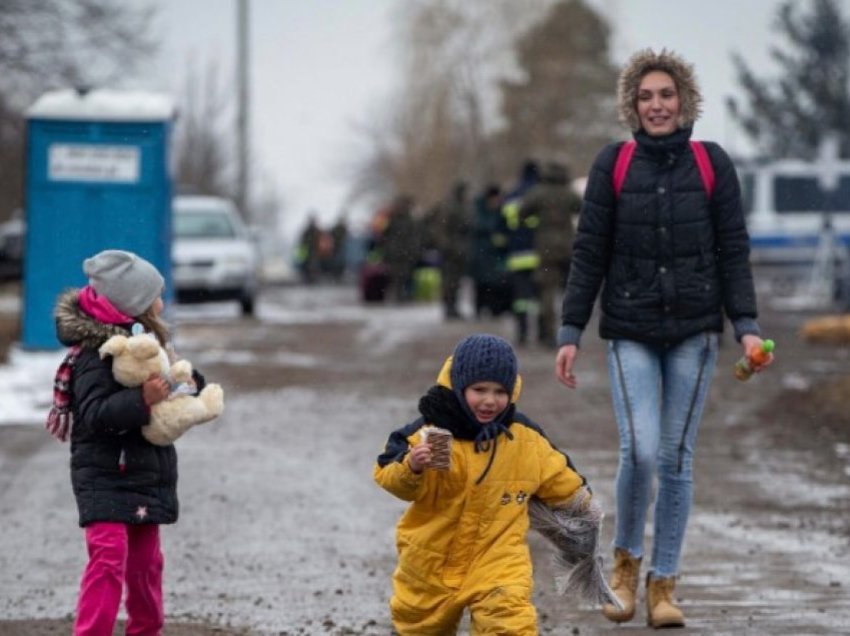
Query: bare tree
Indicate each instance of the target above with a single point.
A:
(563, 106)
(545, 63)
(204, 148)
(48, 44)
(51, 43)
(438, 128)
(11, 160)
(203, 137)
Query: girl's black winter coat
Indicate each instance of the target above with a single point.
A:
(116, 474)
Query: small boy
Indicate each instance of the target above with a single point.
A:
(462, 541)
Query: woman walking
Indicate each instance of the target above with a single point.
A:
(662, 234)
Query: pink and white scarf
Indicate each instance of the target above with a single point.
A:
(61, 417)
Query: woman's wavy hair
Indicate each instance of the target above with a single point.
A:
(646, 61)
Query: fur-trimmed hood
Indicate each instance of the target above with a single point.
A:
(75, 327)
(646, 61)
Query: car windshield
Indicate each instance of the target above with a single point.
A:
(203, 225)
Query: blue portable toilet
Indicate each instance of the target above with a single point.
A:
(98, 177)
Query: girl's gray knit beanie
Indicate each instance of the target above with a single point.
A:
(128, 281)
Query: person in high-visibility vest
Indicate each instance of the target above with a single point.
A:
(487, 263)
(307, 252)
(522, 259)
(553, 205)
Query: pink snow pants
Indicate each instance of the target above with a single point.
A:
(121, 554)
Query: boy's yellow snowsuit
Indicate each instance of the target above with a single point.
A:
(463, 544)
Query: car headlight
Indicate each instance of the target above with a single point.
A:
(235, 260)
(235, 263)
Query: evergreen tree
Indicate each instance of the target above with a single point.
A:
(789, 116)
(564, 106)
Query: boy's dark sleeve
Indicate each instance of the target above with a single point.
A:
(397, 445)
(392, 472)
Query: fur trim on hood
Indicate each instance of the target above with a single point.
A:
(646, 61)
(75, 327)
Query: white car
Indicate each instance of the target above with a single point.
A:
(214, 256)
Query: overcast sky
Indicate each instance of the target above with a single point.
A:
(320, 67)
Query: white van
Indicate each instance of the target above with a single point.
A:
(787, 204)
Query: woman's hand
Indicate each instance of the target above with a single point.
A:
(756, 356)
(155, 390)
(420, 458)
(564, 365)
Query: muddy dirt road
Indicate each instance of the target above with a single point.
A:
(283, 531)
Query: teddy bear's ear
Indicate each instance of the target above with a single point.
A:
(113, 347)
(143, 347)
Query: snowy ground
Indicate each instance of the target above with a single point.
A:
(283, 531)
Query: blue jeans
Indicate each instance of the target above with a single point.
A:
(658, 395)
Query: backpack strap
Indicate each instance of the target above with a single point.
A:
(706, 170)
(627, 150)
(621, 165)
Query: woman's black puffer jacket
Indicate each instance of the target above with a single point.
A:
(672, 260)
(116, 474)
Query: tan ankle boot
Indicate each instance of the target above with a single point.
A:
(624, 581)
(661, 610)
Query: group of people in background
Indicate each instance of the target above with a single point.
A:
(513, 244)
(321, 253)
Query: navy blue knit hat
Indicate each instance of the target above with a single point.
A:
(482, 357)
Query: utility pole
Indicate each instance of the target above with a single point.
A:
(242, 148)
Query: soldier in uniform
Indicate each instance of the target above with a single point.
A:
(339, 234)
(487, 262)
(401, 249)
(453, 221)
(555, 207)
(307, 255)
(522, 260)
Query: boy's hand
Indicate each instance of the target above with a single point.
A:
(420, 458)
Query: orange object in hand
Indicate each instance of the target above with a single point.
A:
(745, 366)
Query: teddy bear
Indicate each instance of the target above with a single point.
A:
(134, 359)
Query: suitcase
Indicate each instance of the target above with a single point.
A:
(374, 280)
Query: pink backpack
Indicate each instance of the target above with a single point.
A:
(624, 158)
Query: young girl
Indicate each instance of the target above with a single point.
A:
(462, 541)
(124, 486)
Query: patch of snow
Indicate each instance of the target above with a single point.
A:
(26, 385)
(796, 381)
(103, 104)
